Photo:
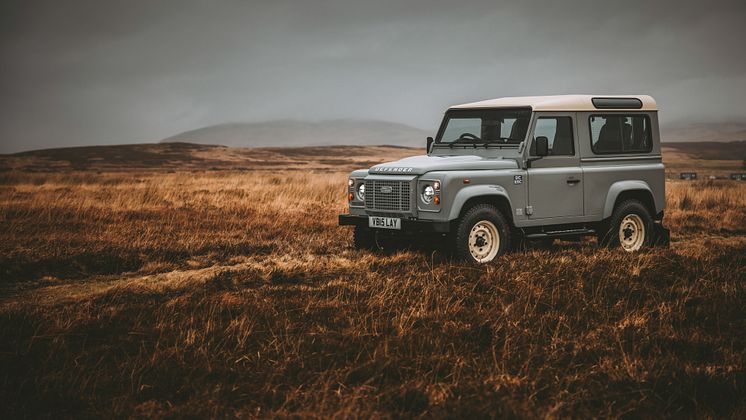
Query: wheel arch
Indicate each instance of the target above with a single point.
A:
(481, 194)
(625, 190)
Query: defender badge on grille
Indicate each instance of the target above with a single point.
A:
(386, 189)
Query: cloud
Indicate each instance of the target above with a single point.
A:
(101, 72)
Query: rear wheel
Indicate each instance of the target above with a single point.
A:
(630, 227)
(482, 235)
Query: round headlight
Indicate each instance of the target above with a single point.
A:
(361, 192)
(427, 194)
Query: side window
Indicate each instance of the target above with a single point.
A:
(558, 130)
(620, 134)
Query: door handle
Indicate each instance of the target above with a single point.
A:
(573, 181)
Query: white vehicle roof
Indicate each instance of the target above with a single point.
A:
(569, 103)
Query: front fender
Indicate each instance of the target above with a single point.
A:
(618, 188)
(472, 191)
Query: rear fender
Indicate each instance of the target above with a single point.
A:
(620, 187)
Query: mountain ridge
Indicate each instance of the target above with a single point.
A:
(297, 133)
(704, 132)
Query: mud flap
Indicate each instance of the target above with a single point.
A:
(661, 235)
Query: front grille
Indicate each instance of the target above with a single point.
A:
(387, 195)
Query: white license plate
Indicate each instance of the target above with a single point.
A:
(384, 222)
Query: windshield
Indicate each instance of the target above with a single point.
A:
(484, 126)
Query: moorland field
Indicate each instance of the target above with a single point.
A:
(175, 279)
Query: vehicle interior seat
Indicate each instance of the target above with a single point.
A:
(491, 130)
(609, 138)
(563, 138)
(518, 131)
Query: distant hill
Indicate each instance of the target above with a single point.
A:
(291, 133)
(709, 150)
(705, 132)
(199, 157)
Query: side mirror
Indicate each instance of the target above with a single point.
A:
(429, 143)
(542, 146)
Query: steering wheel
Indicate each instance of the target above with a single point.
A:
(468, 136)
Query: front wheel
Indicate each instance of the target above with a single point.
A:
(482, 235)
(630, 227)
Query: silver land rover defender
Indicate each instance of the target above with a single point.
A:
(510, 171)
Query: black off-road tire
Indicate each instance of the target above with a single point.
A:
(467, 225)
(609, 233)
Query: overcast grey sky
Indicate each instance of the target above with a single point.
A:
(103, 72)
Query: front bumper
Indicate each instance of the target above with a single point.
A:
(407, 225)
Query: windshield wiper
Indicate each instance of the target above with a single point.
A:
(464, 140)
(486, 145)
(499, 142)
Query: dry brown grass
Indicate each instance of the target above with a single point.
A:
(140, 293)
(706, 207)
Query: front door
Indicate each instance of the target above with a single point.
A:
(555, 182)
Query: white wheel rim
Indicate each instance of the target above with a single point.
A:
(631, 233)
(484, 241)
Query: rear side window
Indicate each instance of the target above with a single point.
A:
(614, 133)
